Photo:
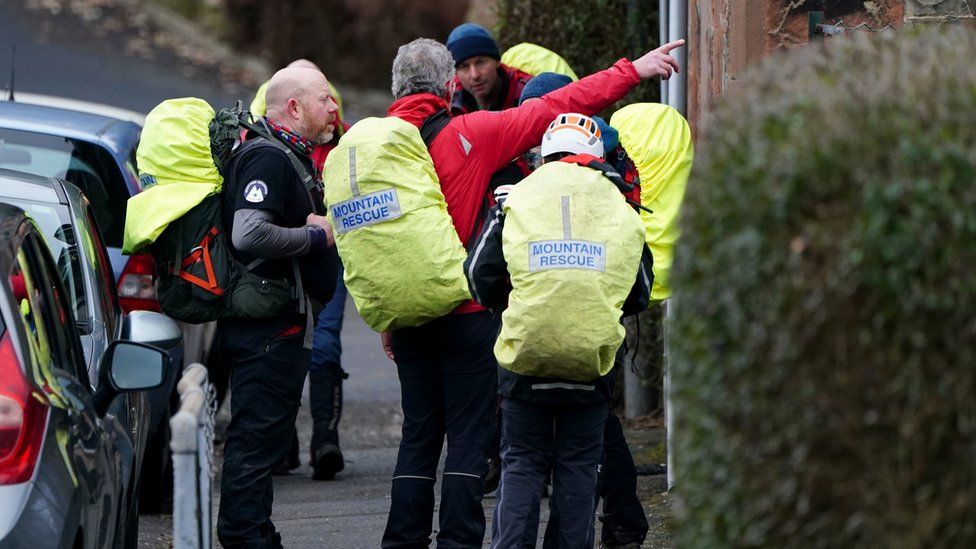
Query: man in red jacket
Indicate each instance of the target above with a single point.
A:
(482, 82)
(447, 367)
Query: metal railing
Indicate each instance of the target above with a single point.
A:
(191, 443)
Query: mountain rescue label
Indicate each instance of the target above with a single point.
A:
(365, 210)
(567, 254)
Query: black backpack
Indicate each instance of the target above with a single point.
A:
(198, 278)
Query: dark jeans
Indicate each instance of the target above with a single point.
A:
(448, 384)
(623, 516)
(325, 374)
(268, 367)
(566, 437)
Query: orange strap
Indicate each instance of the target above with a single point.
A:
(202, 251)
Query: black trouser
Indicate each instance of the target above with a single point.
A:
(268, 367)
(448, 384)
(536, 438)
(623, 515)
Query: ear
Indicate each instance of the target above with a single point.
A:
(293, 108)
(449, 93)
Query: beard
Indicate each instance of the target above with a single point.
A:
(320, 134)
(324, 136)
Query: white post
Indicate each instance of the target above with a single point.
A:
(668, 416)
(191, 443)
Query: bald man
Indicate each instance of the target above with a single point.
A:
(274, 205)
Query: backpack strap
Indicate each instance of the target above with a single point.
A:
(592, 162)
(432, 127)
(429, 131)
(308, 181)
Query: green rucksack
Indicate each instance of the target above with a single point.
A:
(183, 156)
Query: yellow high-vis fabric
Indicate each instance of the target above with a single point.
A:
(573, 247)
(402, 256)
(176, 169)
(535, 59)
(657, 138)
(259, 105)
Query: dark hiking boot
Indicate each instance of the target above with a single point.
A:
(326, 462)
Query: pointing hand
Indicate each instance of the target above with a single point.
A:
(659, 62)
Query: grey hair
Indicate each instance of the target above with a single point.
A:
(422, 66)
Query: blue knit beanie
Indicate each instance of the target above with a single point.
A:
(542, 84)
(609, 134)
(468, 40)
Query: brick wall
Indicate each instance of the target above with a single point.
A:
(726, 37)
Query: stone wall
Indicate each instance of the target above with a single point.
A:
(726, 37)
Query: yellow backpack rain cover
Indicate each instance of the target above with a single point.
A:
(402, 256)
(657, 138)
(176, 169)
(573, 247)
(535, 59)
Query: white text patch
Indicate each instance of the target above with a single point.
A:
(567, 254)
(365, 210)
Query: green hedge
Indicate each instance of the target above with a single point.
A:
(824, 366)
(590, 34)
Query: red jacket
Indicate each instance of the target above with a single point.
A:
(474, 146)
(513, 80)
(321, 152)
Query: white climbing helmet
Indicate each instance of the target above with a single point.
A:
(573, 133)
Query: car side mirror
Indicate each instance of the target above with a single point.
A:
(128, 366)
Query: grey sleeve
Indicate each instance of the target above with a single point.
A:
(255, 234)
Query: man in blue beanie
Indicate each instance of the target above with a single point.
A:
(482, 82)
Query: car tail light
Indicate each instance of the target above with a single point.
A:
(137, 290)
(23, 418)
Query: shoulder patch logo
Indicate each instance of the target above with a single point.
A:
(465, 144)
(255, 191)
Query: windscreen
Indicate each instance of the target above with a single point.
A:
(89, 166)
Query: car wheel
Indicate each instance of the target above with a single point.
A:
(156, 484)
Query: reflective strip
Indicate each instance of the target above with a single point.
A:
(474, 259)
(413, 476)
(558, 385)
(567, 223)
(353, 184)
(647, 281)
(463, 475)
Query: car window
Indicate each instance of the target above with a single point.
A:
(87, 165)
(63, 336)
(61, 240)
(38, 314)
(91, 239)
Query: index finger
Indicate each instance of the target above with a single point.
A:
(672, 45)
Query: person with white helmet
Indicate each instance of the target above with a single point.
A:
(564, 256)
